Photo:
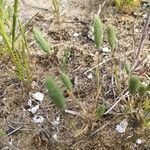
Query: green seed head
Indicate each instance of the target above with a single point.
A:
(66, 80)
(142, 90)
(148, 87)
(134, 84)
(128, 67)
(55, 93)
(111, 36)
(41, 41)
(98, 32)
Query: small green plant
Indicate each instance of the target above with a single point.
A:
(55, 93)
(111, 36)
(16, 47)
(41, 41)
(98, 32)
(100, 111)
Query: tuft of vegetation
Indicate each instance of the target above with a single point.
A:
(98, 32)
(100, 111)
(55, 93)
(134, 84)
(142, 89)
(2, 133)
(41, 41)
(127, 5)
(16, 46)
(111, 36)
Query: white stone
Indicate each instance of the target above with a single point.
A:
(138, 141)
(55, 137)
(90, 76)
(30, 102)
(34, 109)
(38, 119)
(106, 50)
(38, 96)
(76, 34)
(121, 127)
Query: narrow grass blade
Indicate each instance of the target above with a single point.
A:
(41, 41)
(55, 93)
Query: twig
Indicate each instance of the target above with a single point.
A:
(142, 40)
(72, 112)
(112, 107)
(15, 130)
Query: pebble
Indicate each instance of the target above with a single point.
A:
(38, 96)
(38, 119)
(121, 127)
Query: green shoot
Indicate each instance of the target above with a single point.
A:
(55, 93)
(41, 41)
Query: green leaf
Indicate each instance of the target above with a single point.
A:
(41, 41)
(111, 36)
(134, 84)
(55, 93)
(66, 80)
(100, 110)
(98, 32)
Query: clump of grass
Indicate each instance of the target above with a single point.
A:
(111, 36)
(127, 6)
(98, 32)
(55, 93)
(16, 47)
(41, 41)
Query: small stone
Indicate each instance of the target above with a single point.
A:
(121, 127)
(38, 96)
(34, 109)
(138, 141)
(90, 76)
(55, 137)
(106, 50)
(38, 119)
(76, 34)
